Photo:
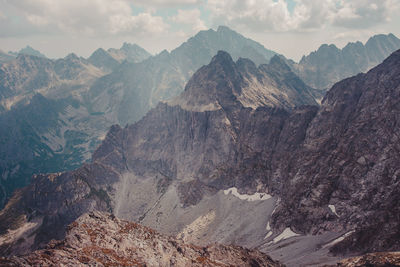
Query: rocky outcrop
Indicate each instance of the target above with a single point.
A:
(329, 64)
(101, 239)
(381, 259)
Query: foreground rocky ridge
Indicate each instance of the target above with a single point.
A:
(103, 240)
(295, 174)
(382, 259)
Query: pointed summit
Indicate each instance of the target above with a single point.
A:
(223, 84)
(103, 60)
(28, 51)
(279, 63)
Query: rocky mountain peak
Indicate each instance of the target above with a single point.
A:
(211, 85)
(28, 51)
(72, 57)
(279, 64)
(223, 83)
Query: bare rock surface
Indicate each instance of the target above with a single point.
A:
(101, 239)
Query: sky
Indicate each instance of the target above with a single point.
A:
(290, 27)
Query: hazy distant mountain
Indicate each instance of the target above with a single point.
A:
(27, 75)
(329, 64)
(132, 89)
(129, 52)
(108, 60)
(28, 51)
(4, 57)
(45, 127)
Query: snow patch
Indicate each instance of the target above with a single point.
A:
(268, 227)
(287, 233)
(268, 234)
(339, 239)
(253, 197)
(333, 209)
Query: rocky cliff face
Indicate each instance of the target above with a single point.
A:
(345, 173)
(329, 64)
(101, 239)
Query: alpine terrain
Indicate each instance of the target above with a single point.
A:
(244, 156)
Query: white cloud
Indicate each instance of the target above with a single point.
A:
(165, 3)
(362, 13)
(256, 14)
(307, 15)
(92, 17)
(190, 17)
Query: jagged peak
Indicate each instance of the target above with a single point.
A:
(99, 50)
(71, 56)
(279, 63)
(222, 57)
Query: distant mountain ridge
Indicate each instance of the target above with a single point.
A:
(138, 87)
(329, 64)
(28, 51)
(108, 60)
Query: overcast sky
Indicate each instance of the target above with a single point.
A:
(290, 27)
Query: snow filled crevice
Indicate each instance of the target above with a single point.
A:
(287, 233)
(333, 209)
(253, 197)
(339, 239)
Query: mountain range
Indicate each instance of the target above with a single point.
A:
(329, 64)
(316, 183)
(206, 137)
(101, 97)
